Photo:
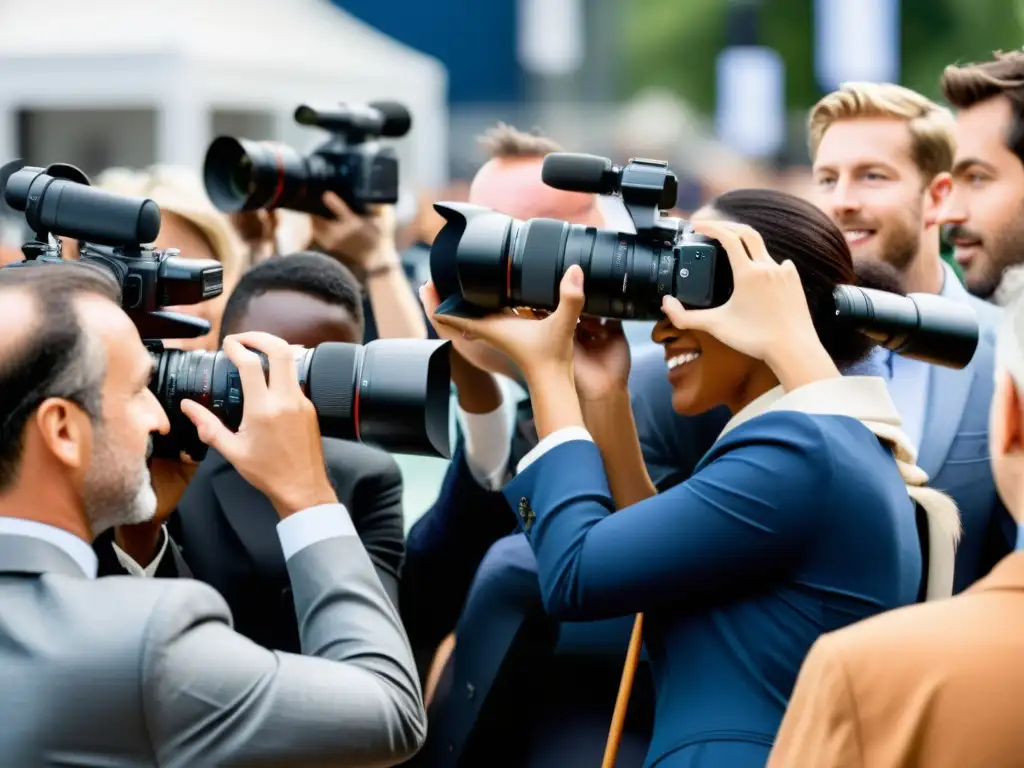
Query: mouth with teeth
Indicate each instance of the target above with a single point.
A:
(679, 361)
(858, 236)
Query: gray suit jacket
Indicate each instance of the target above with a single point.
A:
(123, 671)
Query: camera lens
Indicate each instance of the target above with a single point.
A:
(392, 392)
(243, 175)
(495, 261)
(242, 178)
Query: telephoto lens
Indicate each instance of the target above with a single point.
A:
(393, 393)
(492, 261)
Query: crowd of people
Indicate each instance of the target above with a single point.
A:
(761, 540)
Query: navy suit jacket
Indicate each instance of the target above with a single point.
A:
(791, 526)
(459, 564)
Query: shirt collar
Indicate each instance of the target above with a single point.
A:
(77, 549)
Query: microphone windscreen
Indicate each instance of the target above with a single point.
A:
(397, 119)
(574, 172)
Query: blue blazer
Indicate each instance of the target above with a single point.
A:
(791, 526)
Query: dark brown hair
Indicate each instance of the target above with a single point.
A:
(795, 230)
(963, 87)
(504, 141)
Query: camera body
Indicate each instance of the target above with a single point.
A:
(483, 260)
(245, 175)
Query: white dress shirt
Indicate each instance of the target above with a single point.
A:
(296, 532)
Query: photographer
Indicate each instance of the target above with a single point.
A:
(180, 685)
(738, 567)
(225, 524)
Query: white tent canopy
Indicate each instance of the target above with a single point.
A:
(186, 59)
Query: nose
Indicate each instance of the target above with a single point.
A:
(664, 332)
(843, 200)
(161, 424)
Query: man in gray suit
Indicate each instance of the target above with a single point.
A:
(127, 671)
(882, 158)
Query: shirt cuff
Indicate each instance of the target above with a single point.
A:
(488, 445)
(133, 568)
(313, 525)
(555, 439)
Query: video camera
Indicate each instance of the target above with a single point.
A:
(245, 175)
(482, 261)
(111, 230)
(391, 392)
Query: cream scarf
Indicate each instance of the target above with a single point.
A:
(866, 399)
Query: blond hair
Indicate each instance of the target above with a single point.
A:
(932, 142)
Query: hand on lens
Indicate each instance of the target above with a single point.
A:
(600, 359)
(277, 447)
(475, 352)
(767, 310)
(532, 344)
(361, 242)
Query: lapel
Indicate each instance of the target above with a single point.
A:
(948, 390)
(25, 554)
(250, 515)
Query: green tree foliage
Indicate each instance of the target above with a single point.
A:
(674, 43)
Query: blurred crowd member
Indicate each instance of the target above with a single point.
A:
(191, 224)
(224, 524)
(934, 685)
(882, 156)
(149, 671)
(736, 570)
(986, 207)
(544, 691)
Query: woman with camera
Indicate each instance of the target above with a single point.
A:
(796, 522)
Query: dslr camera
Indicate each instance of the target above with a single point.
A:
(245, 175)
(483, 261)
(391, 392)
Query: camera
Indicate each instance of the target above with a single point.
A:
(394, 392)
(483, 261)
(390, 392)
(111, 229)
(245, 175)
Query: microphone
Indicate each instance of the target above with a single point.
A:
(396, 119)
(921, 326)
(574, 172)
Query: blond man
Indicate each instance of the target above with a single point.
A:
(882, 156)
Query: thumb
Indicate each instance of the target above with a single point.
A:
(686, 319)
(210, 429)
(570, 297)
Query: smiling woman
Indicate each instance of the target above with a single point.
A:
(796, 522)
(705, 372)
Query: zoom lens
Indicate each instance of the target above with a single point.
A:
(493, 260)
(243, 175)
(393, 393)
